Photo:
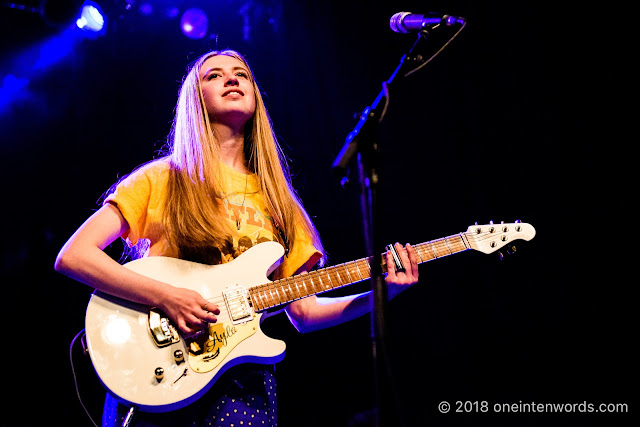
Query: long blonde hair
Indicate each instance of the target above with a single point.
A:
(194, 217)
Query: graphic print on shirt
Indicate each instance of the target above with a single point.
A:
(255, 227)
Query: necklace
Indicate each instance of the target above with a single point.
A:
(244, 198)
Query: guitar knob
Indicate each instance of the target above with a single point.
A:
(178, 355)
(159, 374)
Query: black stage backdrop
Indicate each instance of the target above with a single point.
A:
(524, 116)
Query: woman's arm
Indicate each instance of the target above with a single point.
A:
(314, 313)
(83, 258)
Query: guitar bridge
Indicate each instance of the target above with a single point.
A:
(237, 302)
(162, 331)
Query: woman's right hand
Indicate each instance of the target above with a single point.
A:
(188, 309)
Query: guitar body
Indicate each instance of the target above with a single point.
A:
(126, 356)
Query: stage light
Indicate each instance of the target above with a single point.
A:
(172, 12)
(194, 23)
(91, 18)
(146, 9)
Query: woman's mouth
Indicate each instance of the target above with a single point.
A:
(233, 92)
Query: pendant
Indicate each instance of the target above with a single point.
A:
(238, 223)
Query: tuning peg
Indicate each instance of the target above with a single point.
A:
(518, 221)
(501, 255)
(511, 249)
(491, 222)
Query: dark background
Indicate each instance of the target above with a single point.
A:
(526, 115)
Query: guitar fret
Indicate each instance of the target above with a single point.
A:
(314, 288)
(253, 300)
(304, 283)
(418, 253)
(263, 296)
(465, 240)
(286, 288)
(448, 247)
(275, 288)
(353, 271)
(340, 279)
(291, 292)
(435, 255)
(363, 264)
(317, 288)
(269, 295)
(437, 244)
(425, 255)
(333, 277)
(313, 275)
(349, 279)
(442, 249)
(295, 289)
(306, 289)
(325, 282)
(457, 243)
(272, 299)
(313, 285)
(257, 303)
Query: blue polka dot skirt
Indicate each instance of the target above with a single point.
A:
(244, 396)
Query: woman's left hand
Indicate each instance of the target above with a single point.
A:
(398, 281)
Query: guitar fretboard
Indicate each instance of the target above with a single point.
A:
(282, 291)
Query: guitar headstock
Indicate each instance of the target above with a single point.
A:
(490, 237)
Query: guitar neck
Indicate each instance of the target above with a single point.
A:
(283, 291)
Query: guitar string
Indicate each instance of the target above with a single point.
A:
(273, 286)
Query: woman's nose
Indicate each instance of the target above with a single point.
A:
(232, 81)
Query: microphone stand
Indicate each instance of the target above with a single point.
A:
(362, 142)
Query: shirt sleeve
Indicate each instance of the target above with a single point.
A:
(131, 197)
(302, 256)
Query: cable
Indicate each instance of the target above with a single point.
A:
(75, 379)
(437, 52)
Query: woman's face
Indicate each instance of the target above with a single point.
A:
(228, 90)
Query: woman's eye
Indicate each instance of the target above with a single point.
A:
(213, 76)
(242, 74)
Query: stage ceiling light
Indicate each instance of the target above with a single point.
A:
(194, 23)
(91, 18)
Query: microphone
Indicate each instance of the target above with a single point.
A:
(406, 22)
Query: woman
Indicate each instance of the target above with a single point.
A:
(222, 187)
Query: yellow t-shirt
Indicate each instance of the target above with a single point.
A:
(140, 197)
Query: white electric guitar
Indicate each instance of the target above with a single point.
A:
(144, 360)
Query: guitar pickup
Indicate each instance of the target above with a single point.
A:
(162, 331)
(237, 301)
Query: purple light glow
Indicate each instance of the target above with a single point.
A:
(146, 9)
(194, 23)
(172, 12)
